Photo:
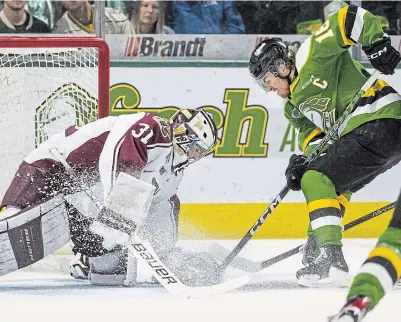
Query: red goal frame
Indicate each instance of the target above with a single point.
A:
(73, 42)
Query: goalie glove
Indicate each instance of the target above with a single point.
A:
(383, 56)
(79, 267)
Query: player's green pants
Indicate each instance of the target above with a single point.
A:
(382, 268)
(348, 164)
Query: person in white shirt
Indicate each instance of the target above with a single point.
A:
(80, 19)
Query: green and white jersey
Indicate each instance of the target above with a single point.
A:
(328, 78)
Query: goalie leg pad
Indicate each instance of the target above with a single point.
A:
(31, 234)
(118, 268)
(109, 269)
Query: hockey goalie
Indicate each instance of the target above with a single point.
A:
(133, 165)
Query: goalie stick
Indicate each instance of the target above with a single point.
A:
(315, 153)
(143, 251)
(219, 252)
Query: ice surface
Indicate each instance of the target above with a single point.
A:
(272, 296)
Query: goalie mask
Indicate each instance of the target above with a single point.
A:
(194, 132)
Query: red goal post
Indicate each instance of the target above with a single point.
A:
(49, 43)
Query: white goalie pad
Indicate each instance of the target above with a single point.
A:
(131, 198)
(31, 234)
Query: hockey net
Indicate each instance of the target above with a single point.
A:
(46, 85)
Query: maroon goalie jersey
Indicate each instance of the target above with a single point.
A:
(138, 144)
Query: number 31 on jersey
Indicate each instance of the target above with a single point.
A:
(142, 130)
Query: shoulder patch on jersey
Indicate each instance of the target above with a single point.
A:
(164, 125)
(302, 55)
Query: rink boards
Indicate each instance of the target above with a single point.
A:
(225, 193)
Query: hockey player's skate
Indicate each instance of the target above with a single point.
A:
(310, 251)
(328, 268)
(79, 267)
(354, 311)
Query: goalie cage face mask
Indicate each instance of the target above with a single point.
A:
(194, 132)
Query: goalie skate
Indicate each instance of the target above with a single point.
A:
(79, 267)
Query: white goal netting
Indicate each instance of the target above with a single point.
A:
(42, 92)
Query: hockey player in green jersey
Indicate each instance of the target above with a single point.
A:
(318, 84)
(377, 275)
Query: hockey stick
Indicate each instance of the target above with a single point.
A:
(254, 266)
(333, 132)
(143, 251)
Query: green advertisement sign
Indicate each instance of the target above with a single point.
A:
(125, 98)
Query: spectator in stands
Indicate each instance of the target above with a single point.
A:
(15, 19)
(119, 5)
(206, 17)
(389, 13)
(251, 12)
(147, 17)
(80, 19)
(293, 17)
(333, 7)
(47, 11)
